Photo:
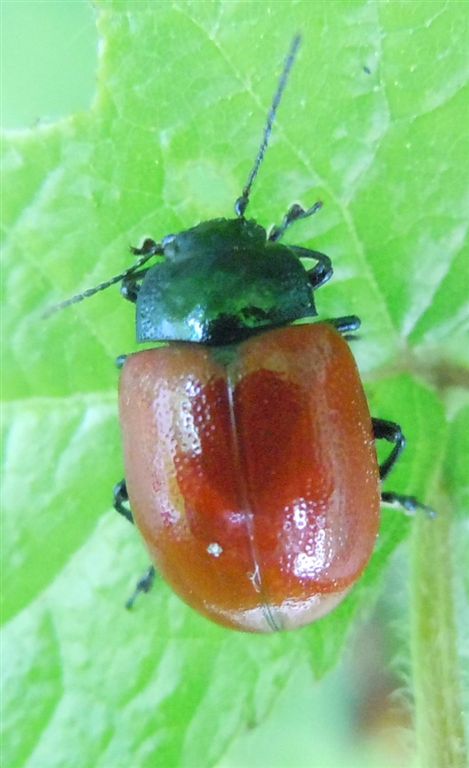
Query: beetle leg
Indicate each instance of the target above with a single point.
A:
(121, 498)
(388, 430)
(408, 503)
(322, 272)
(144, 584)
(149, 247)
(131, 284)
(319, 274)
(294, 213)
(345, 325)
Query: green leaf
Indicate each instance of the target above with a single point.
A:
(374, 124)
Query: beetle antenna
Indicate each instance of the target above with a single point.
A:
(242, 202)
(145, 255)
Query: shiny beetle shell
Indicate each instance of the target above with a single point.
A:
(252, 473)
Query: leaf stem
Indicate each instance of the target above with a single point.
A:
(437, 694)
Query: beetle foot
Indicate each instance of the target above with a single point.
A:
(121, 497)
(143, 585)
(409, 504)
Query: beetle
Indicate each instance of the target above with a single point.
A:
(250, 458)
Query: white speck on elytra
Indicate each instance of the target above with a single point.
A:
(214, 549)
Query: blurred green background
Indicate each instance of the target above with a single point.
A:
(164, 139)
(49, 60)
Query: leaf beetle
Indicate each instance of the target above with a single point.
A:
(250, 459)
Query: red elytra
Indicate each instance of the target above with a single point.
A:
(252, 473)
